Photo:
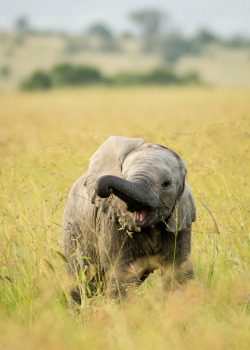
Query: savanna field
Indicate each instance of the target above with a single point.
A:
(46, 140)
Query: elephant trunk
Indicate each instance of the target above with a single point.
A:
(134, 194)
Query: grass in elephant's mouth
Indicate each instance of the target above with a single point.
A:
(45, 145)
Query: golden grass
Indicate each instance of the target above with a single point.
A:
(46, 140)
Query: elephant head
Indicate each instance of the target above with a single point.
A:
(148, 179)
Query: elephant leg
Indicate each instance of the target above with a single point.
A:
(183, 255)
(123, 271)
(177, 266)
(174, 277)
(116, 286)
(89, 283)
(127, 278)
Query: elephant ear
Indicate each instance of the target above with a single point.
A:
(184, 212)
(108, 160)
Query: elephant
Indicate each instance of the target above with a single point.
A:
(129, 214)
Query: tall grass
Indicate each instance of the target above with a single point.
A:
(46, 140)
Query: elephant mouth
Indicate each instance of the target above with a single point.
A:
(141, 216)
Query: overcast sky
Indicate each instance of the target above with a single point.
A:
(225, 17)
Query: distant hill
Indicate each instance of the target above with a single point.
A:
(20, 55)
(223, 67)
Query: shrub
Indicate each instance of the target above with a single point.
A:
(158, 76)
(100, 30)
(191, 78)
(66, 74)
(175, 46)
(39, 80)
(204, 37)
(127, 78)
(5, 71)
(161, 75)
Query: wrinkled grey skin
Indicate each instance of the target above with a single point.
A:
(144, 191)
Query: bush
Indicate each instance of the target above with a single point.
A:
(160, 76)
(157, 76)
(175, 46)
(5, 71)
(127, 78)
(39, 80)
(191, 78)
(204, 37)
(66, 74)
(100, 30)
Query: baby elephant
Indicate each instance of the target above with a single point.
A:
(130, 213)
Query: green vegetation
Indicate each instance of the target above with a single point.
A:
(38, 81)
(172, 45)
(218, 61)
(157, 76)
(98, 38)
(65, 74)
(99, 30)
(5, 71)
(175, 46)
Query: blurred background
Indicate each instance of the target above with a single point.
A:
(57, 43)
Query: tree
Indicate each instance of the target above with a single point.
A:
(22, 24)
(204, 37)
(174, 46)
(107, 41)
(100, 30)
(150, 21)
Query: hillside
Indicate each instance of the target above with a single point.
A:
(21, 55)
(219, 66)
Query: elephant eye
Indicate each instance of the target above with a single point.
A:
(166, 183)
